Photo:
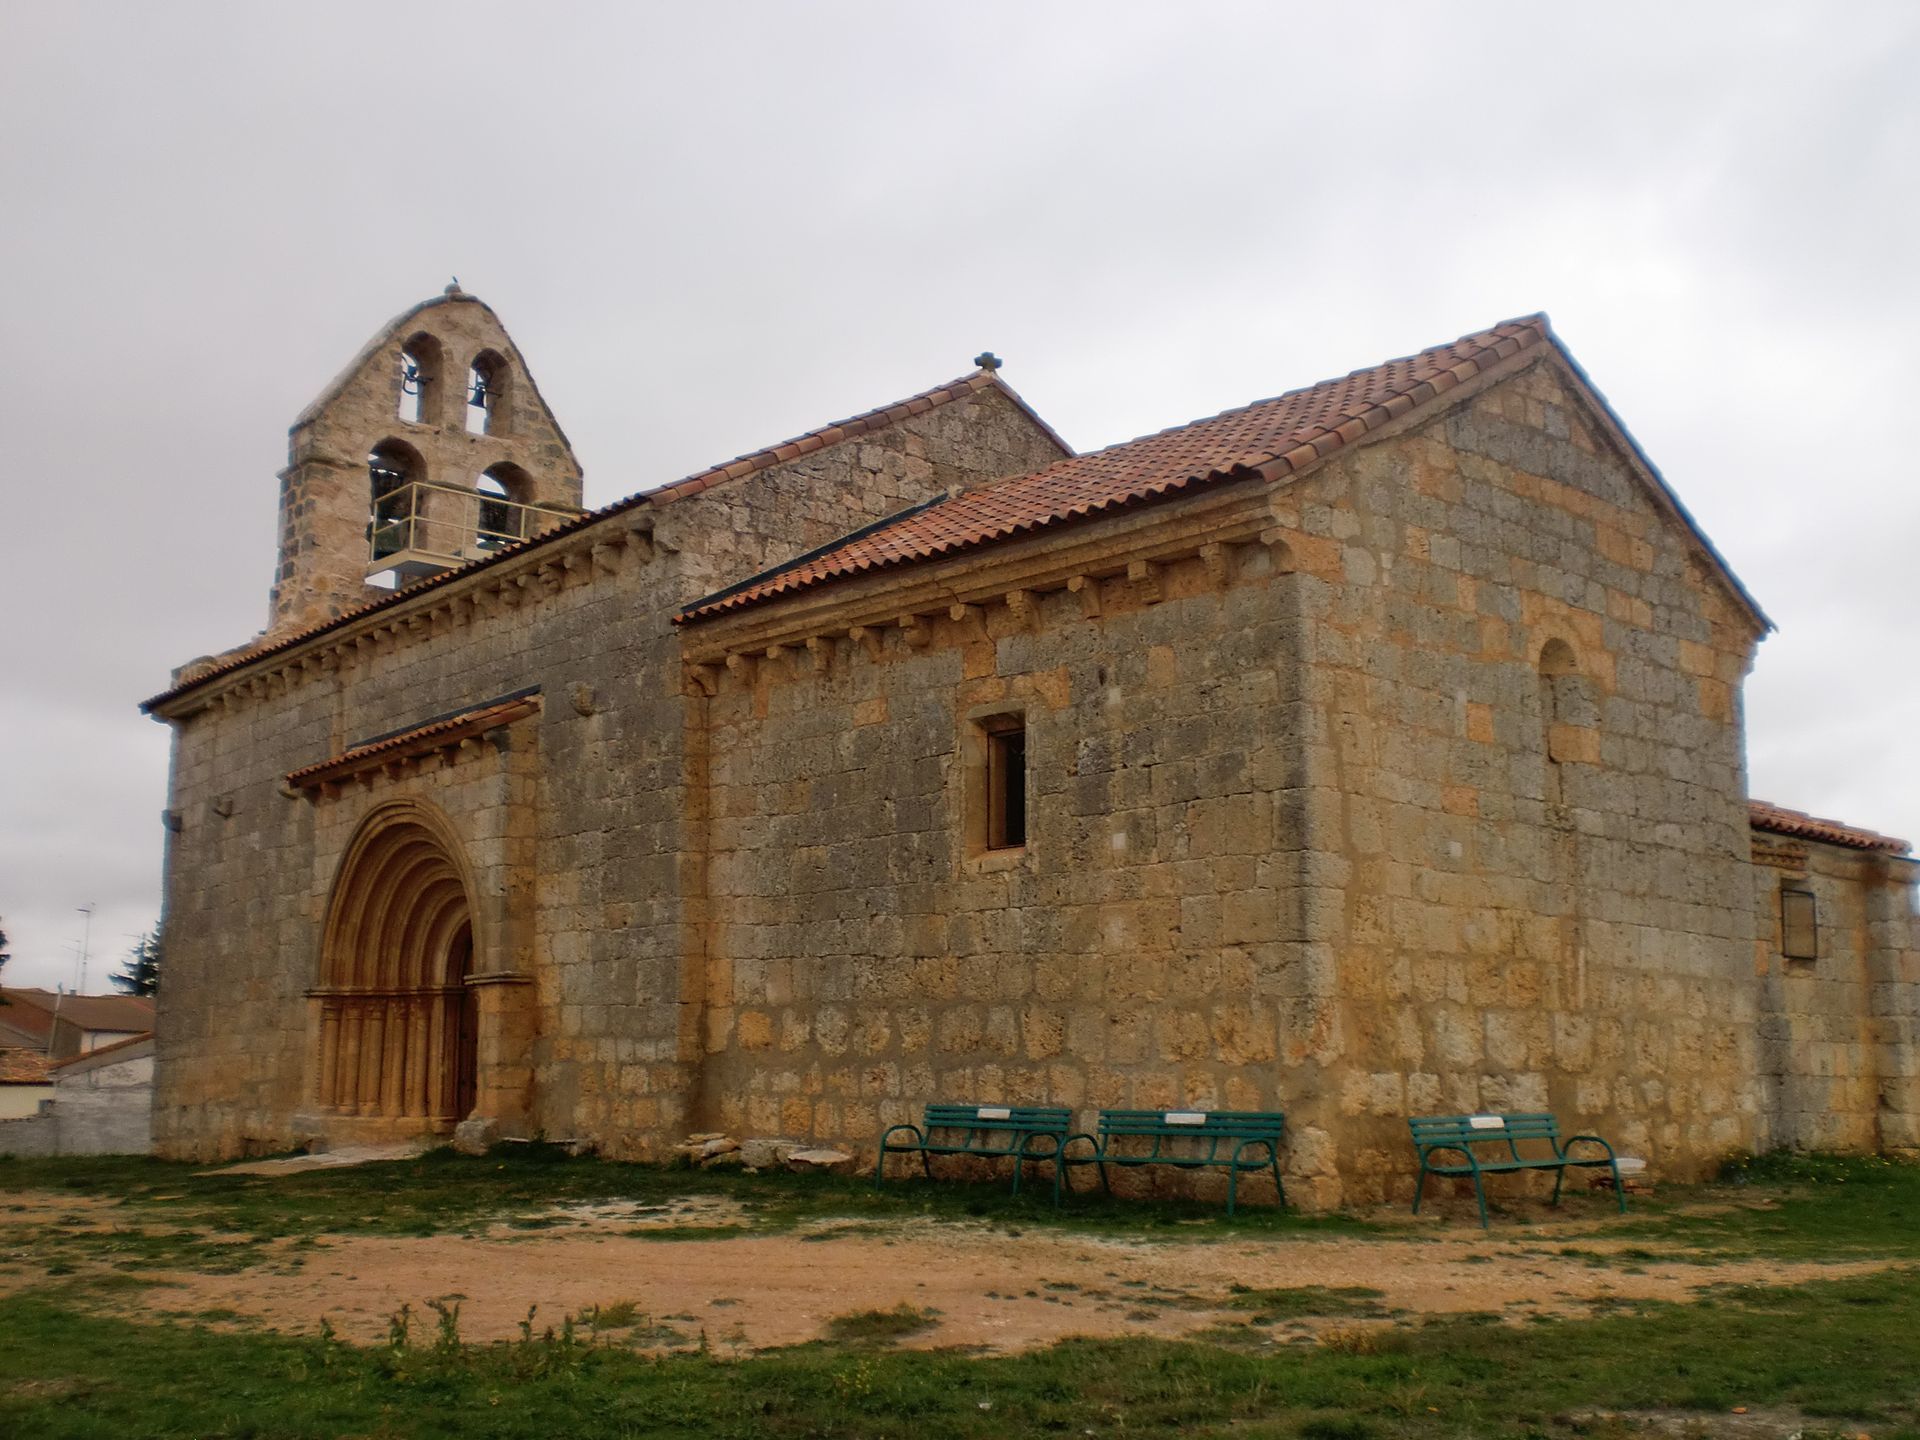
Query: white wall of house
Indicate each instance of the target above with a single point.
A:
(18, 1102)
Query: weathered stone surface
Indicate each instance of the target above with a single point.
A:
(768, 1154)
(1431, 800)
(820, 1158)
(476, 1135)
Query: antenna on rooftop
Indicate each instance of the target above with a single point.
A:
(86, 937)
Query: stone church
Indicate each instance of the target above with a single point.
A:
(1371, 750)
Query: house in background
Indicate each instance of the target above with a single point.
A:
(24, 1081)
(61, 1026)
(97, 1100)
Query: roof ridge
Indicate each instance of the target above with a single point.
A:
(1537, 319)
(1297, 441)
(819, 438)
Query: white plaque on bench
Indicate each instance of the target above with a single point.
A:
(993, 1112)
(1486, 1122)
(1185, 1117)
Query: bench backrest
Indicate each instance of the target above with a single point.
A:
(1211, 1133)
(1008, 1119)
(1459, 1131)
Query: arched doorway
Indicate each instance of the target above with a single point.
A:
(398, 1035)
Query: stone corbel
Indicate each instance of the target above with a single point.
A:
(1144, 577)
(608, 557)
(1218, 560)
(821, 649)
(640, 539)
(1088, 589)
(1275, 539)
(704, 681)
(1021, 604)
(971, 619)
(781, 659)
(917, 634)
(741, 666)
(868, 639)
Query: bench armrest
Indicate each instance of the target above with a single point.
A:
(1573, 1140)
(1264, 1142)
(1464, 1151)
(1085, 1159)
(919, 1140)
(1027, 1152)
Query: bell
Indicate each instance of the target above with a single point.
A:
(479, 396)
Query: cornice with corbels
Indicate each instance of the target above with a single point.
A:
(1124, 563)
(552, 565)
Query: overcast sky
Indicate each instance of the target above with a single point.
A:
(712, 226)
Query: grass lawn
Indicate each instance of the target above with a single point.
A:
(1844, 1354)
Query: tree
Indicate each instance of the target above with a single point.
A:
(140, 975)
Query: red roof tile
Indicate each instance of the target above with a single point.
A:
(129, 1014)
(108, 1054)
(1778, 820)
(1270, 438)
(24, 1067)
(420, 738)
(866, 423)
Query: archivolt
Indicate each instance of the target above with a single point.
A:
(397, 1034)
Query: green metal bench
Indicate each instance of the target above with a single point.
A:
(993, 1132)
(1237, 1141)
(1460, 1134)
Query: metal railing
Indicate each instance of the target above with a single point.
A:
(427, 525)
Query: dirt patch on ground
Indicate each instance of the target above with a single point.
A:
(988, 1289)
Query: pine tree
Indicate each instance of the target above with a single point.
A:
(140, 975)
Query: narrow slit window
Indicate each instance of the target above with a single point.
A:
(1799, 924)
(1006, 775)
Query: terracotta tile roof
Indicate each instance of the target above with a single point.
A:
(24, 1067)
(132, 1014)
(111, 1054)
(866, 423)
(1778, 820)
(1269, 438)
(418, 740)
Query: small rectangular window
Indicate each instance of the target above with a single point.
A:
(1006, 781)
(1799, 924)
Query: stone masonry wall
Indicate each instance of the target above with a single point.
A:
(1529, 825)
(614, 878)
(867, 958)
(1298, 844)
(1838, 1033)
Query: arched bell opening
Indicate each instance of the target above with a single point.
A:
(398, 1031)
